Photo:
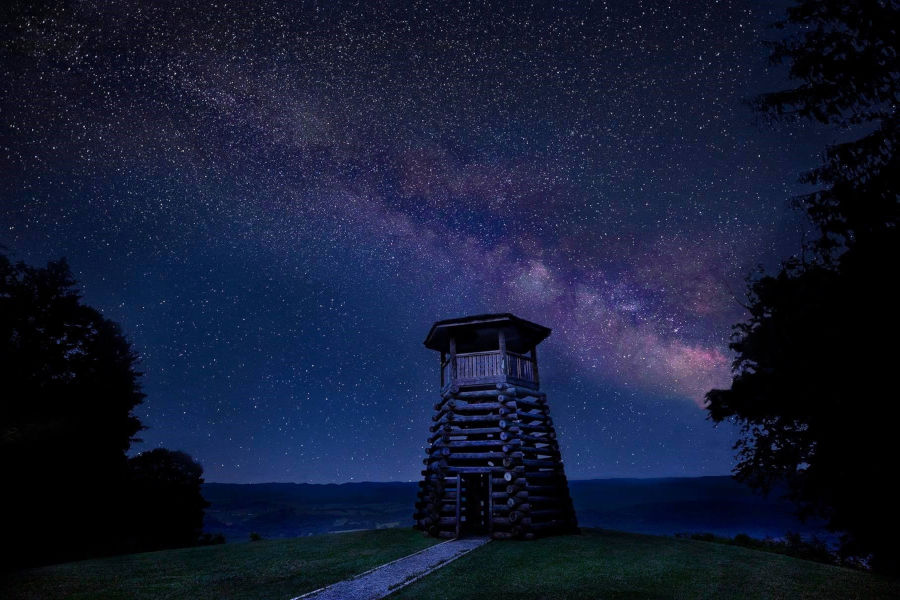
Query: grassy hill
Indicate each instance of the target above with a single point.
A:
(597, 564)
(611, 565)
(276, 569)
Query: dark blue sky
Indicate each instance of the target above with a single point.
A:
(276, 202)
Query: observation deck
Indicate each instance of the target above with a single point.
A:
(484, 350)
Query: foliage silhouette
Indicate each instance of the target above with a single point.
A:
(844, 55)
(69, 386)
(167, 503)
(812, 389)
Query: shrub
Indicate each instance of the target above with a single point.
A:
(211, 539)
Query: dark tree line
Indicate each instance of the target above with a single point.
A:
(844, 56)
(68, 387)
(814, 388)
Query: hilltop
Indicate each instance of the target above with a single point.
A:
(596, 564)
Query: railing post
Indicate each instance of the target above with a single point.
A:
(534, 368)
(501, 338)
(443, 360)
(453, 377)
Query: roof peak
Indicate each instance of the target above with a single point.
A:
(526, 332)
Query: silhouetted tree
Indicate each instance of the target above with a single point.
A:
(69, 384)
(813, 389)
(844, 56)
(166, 503)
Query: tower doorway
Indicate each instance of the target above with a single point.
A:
(475, 504)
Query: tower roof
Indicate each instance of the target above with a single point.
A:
(521, 335)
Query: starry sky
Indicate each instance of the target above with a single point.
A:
(276, 200)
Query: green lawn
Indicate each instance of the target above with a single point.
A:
(597, 564)
(608, 565)
(278, 569)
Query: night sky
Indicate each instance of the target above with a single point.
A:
(276, 201)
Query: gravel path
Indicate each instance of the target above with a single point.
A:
(390, 577)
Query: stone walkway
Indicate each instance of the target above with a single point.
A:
(390, 577)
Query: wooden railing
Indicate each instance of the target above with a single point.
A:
(476, 365)
(489, 365)
(519, 367)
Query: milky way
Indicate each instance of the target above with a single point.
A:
(277, 201)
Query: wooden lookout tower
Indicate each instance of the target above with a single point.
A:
(493, 465)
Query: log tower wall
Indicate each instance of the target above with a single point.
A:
(492, 463)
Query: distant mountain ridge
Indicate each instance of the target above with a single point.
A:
(662, 506)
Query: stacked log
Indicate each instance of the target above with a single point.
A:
(506, 433)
